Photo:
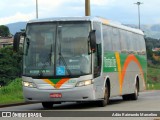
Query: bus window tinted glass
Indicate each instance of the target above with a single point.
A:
(115, 39)
(142, 45)
(97, 27)
(130, 42)
(124, 41)
(107, 31)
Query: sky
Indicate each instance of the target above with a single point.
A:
(123, 11)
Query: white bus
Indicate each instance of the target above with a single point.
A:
(75, 59)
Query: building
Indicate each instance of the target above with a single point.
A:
(156, 54)
(8, 41)
(155, 49)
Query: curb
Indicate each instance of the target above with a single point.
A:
(17, 104)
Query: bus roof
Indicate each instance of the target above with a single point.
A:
(89, 18)
(119, 25)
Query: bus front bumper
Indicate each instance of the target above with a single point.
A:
(85, 93)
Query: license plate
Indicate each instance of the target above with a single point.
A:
(55, 95)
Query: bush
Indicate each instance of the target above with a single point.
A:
(10, 64)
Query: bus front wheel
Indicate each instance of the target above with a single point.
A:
(47, 105)
(105, 101)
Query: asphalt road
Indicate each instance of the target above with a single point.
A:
(147, 101)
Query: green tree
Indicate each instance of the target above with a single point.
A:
(10, 65)
(4, 31)
(149, 54)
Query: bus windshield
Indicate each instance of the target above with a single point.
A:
(57, 49)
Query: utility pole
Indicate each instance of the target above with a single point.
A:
(37, 9)
(87, 7)
(139, 18)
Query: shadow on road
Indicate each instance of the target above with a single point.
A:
(83, 105)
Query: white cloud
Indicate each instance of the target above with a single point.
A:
(16, 18)
(20, 10)
(49, 8)
(101, 2)
(46, 8)
(49, 4)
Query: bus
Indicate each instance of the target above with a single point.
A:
(78, 59)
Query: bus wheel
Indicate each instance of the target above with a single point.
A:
(47, 105)
(105, 101)
(134, 96)
(126, 97)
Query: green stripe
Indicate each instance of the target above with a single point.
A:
(110, 65)
(54, 81)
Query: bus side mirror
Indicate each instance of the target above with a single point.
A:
(16, 41)
(92, 38)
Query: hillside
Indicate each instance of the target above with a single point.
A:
(16, 27)
(152, 31)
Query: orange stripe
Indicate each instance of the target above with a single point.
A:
(122, 72)
(129, 59)
(49, 82)
(61, 82)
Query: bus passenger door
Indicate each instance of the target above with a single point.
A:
(97, 61)
(98, 82)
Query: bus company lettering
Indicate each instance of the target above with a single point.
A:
(109, 62)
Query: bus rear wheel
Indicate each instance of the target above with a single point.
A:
(105, 101)
(133, 96)
(47, 105)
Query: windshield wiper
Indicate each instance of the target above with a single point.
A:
(45, 63)
(60, 54)
(64, 62)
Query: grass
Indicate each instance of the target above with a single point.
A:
(153, 78)
(12, 93)
(154, 86)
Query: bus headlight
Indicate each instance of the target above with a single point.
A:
(28, 84)
(84, 83)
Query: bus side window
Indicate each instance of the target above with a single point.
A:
(135, 44)
(116, 40)
(142, 45)
(123, 40)
(107, 39)
(129, 41)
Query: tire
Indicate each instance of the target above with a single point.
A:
(126, 97)
(133, 96)
(105, 101)
(47, 105)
